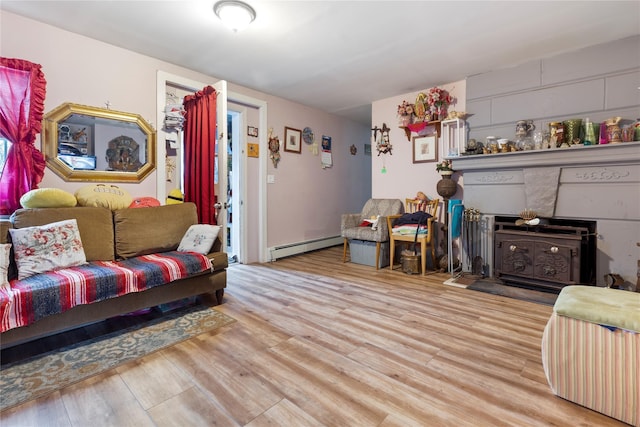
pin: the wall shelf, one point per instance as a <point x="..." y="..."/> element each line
<point x="417" y="127"/>
<point x="622" y="153"/>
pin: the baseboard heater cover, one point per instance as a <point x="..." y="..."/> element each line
<point x="282" y="251"/>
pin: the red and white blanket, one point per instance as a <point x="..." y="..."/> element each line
<point x="29" y="300"/>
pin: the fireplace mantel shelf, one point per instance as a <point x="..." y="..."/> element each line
<point x="610" y="154"/>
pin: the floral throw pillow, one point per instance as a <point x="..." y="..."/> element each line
<point x="47" y="247"/>
<point x="199" y="238"/>
<point x="5" y="248"/>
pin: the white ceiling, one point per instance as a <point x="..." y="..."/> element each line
<point x="339" y="56"/>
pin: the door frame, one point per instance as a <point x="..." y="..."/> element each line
<point x="164" y="78"/>
<point x="238" y="165"/>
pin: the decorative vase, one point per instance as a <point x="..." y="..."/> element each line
<point x="523" y="128"/>
<point x="614" y="133"/>
<point x="572" y="131"/>
<point x="556" y="130"/>
<point x="446" y="187"/>
<point x="442" y="113"/>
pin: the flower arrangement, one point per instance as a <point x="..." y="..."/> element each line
<point x="444" y="166"/>
<point x="439" y="100"/>
<point x="405" y="109"/>
<point x="405" y="113"/>
<point x="439" y="97"/>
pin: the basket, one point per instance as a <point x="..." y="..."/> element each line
<point x="410" y="262"/>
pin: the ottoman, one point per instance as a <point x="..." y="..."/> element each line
<point x="590" y="350"/>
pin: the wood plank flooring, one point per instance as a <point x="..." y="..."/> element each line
<point x="322" y="343"/>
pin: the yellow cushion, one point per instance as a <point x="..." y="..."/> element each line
<point x="47" y="198"/>
<point x="175" y="196"/>
<point x="105" y="196"/>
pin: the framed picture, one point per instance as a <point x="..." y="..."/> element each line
<point x="425" y="148"/>
<point x="252" y="131"/>
<point x="292" y="140"/>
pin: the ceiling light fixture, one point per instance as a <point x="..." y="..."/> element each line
<point x="235" y="14"/>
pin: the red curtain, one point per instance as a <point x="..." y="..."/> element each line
<point x="200" y="152"/>
<point x="22" y="93"/>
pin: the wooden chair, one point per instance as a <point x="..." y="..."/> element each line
<point x="426" y="241"/>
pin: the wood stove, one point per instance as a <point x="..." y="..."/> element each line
<point x="548" y="256"/>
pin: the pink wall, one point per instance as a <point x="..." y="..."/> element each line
<point x="305" y="202"/>
<point x="403" y="178"/>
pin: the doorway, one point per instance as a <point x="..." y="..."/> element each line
<point x="258" y="250"/>
<point x="235" y="194"/>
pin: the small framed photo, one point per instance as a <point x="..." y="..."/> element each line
<point x="252" y="131"/>
<point x="292" y="140"/>
<point x="425" y="148"/>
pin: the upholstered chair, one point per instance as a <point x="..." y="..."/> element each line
<point x="379" y="209"/>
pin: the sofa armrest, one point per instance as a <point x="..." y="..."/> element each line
<point x="219" y="260"/>
<point x="5" y="225"/>
<point x="383" y="228"/>
<point x="349" y="220"/>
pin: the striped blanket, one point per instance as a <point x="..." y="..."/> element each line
<point x="410" y="229"/>
<point x="29" y="300"/>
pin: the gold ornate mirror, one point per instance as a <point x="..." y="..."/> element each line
<point x="83" y="143"/>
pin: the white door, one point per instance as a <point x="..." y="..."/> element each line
<point x="221" y="159"/>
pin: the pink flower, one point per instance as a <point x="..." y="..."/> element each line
<point x="405" y="109"/>
<point x="438" y="97"/>
<point x="444" y="165"/>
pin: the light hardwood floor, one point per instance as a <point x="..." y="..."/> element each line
<point x="321" y="343"/>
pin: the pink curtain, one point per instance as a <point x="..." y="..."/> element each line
<point x="22" y="93"/>
<point x="200" y="152"/>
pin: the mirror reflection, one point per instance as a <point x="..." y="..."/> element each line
<point x="84" y="143"/>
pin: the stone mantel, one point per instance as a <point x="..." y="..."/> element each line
<point x="593" y="155"/>
<point x="598" y="183"/>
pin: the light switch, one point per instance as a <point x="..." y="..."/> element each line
<point x="271" y="179"/>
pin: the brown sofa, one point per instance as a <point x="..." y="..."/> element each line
<point x="121" y="234"/>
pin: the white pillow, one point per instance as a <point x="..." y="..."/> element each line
<point x="199" y="238"/>
<point x="5" y="248"/>
<point x="47" y="247"/>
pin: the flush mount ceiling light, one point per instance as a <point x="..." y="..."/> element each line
<point x="235" y="14"/>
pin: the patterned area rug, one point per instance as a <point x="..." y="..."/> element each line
<point x="41" y="375"/>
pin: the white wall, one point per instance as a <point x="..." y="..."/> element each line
<point x="305" y="202"/>
<point x="403" y="178"/>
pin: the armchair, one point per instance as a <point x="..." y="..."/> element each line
<point x="374" y="208"/>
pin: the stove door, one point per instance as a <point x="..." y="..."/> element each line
<point x="556" y="262"/>
<point x="514" y="256"/>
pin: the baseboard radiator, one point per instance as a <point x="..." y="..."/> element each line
<point x="282" y="251"/>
